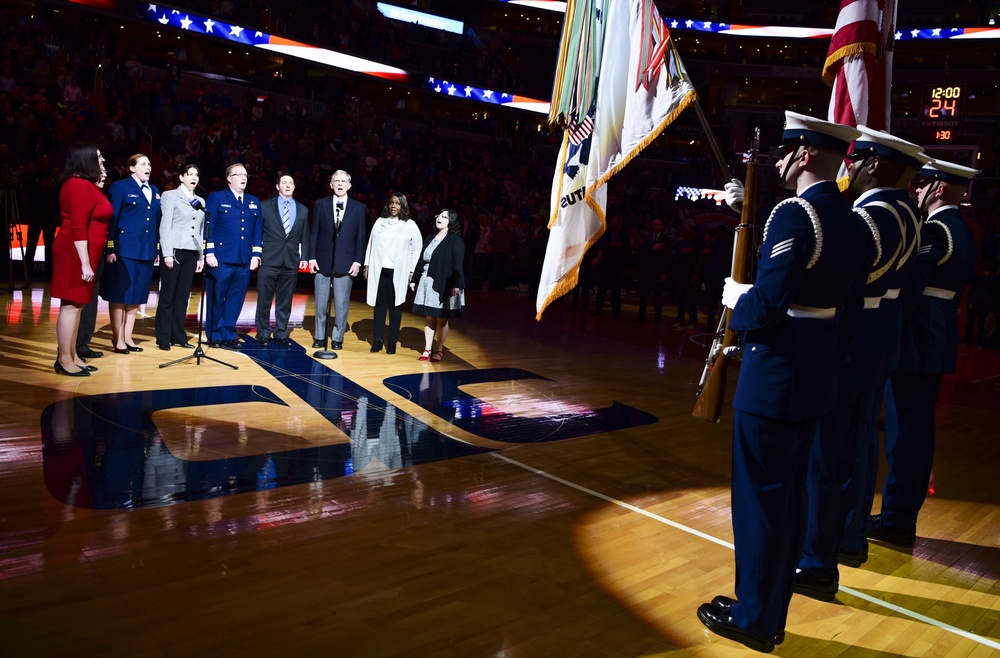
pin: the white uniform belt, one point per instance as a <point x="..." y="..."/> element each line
<point x="891" y="293"/>
<point x="940" y="293"/>
<point x="872" y="302"/>
<point x="797" y="311"/>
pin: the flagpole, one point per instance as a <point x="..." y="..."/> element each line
<point x="727" y="173"/>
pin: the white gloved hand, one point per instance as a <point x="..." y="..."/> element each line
<point x="734" y="194"/>
<point x="732" y="291"/>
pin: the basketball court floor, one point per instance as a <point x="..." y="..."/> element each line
<point x="543" y="491"/>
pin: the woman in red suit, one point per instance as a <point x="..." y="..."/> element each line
<point x="85" y="213"/>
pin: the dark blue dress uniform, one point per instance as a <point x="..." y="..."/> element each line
<point x="815" y="250"/>
<point x="843" y="458"/>
<point x="929" y="341"/>
<point x="133" y="235"/>
<point x="234" y="237"/>
<point x="877" y="347"/>
<point x="788" y="379"/>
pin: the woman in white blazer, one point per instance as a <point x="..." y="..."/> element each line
<point x="182" y="245"/>
<point x="393" y="251"/>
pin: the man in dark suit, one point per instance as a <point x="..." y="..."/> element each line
<point x="336" y="250"/>
<point x="232" y="252"/>
<point x="285" y="251"/>
<point x="815" y="252"/>
<point x="946" y="258"/>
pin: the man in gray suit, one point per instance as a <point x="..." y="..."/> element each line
<point x="337" y="247"/>
<point x="285" y="252"/>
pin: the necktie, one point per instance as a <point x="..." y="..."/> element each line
<point x="340" y="210"/>
<point x="239" y="199"/>
<point x="286" y="217"/>
<point x="148" y="193"/>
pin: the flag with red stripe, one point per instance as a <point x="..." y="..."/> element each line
<point x="859" y="63"/>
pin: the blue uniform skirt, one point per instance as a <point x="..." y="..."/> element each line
<point x="126" y="281"/>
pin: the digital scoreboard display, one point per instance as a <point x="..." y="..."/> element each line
<point x="942" y="114"/>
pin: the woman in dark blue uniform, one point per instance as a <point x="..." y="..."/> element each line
<point x="131" y="252"/>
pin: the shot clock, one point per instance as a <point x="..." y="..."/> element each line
<point x="942" y="115"/>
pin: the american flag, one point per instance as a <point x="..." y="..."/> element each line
<point x="859" y="63"/>
<point x="580" y="131"/>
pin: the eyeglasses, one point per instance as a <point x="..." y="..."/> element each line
<point x="238" y="175"/>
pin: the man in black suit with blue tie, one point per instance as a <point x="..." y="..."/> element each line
<point x="336" y="250"/>
<point x="815" y="252"/>
<point x="285" y="252"/>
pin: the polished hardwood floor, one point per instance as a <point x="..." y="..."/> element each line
<point x="542" y="492"/>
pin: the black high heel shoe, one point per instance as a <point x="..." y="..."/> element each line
<point x="88" y="368"/>
<point x="118" y="351"/>
<point x="132" y="348"/>
<point x="376" y="345"/>
<point x="62" y="371"/>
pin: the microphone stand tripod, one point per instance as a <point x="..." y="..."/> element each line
<point x="199" y="353"/>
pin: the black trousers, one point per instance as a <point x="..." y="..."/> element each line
<point x="175" y="290"/>
<point x="385" y="301"/>
<point x="88" y="316"/>
<point x="277" y="283"/>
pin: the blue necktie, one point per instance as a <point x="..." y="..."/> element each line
<point x="286" y="217"/>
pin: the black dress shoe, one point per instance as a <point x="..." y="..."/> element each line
<point x="263" y="341"/>
<point x="376" y="345"/>
<point x="849" y="559"/>
<point x="184" y="345"/>
<point x="62" y="371"/>
<point x="232" y="344"/>
<point x="337" y="345"/>
<point x="319" y="344"/>
<point x="721" y="623"/>
<point x="118" y="351"/>
<point x="888" y="535"/>
<point x="89" y="368"/>
<point x="90" y="354"/>
<point x="390" y="348"/>
<point x="284" y="342"/>
<point x="133" y="348"/>
<point x="725" y="604"/>
<point x="821" y="588"/>
<point x="215" y="343"/>
<point x="163" y="346"/>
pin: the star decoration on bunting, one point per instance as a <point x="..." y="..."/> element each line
<point x="186" y="23"/>
<point x="209" y="24"/>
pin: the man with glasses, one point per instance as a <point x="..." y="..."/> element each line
<point x="336" y="247"/>
<point x="233" y="250"/>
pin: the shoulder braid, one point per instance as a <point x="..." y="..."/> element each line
<point x="875" y="234"/>
<point x="813" y="217"/>
<point x="947" y="233"/>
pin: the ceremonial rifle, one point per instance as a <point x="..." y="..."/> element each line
<point x="727" y="345"/>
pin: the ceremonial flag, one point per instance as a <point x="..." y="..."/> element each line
<point x="858" y="65"/>
<point x="617" y="87"/>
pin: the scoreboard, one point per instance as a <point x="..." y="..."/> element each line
<point x="942" y="113"/>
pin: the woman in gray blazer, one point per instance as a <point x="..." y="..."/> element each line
<point x="181" y="245"/>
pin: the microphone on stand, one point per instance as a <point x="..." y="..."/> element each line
<point x="197" y="204"/>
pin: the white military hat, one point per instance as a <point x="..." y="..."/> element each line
<point x="880" y="143"/>
<point x="948" y="172"/>
<point x="802" y="129"/>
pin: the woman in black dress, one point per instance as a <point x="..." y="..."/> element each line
<point x="439" y="282"/>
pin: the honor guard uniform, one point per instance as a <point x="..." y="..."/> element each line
<point x="945" y="261"/>
<point x="234" y="239"/>
<point x="815" y="250"/>
<point x="844" y="454"/>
